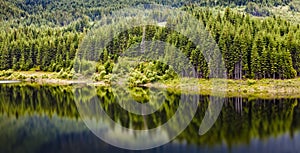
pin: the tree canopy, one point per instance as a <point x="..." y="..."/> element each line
<point x="45" y="35"/>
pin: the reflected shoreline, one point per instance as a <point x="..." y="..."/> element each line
<point x="243" y="122"/>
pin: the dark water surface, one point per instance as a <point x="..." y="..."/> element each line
<point x="40" y="118"/>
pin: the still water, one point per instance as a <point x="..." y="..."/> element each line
<point x="45" y="118"/>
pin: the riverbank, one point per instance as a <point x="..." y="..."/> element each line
<point x="265" y="88"/>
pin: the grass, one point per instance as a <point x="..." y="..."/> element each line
<point x="264" y="88"/>
<point x="24" y="75"/>
<point x="37" y="76"/>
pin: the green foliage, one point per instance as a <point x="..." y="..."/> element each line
<point x="47" y="49"/>
<point x="99" y="76"/>
<point x="66" y="74"/>
<point x="45" y="76"/>
<point x="251" y="47"/>
<point x="149" y="72"/>
<point x="21" y="77"/>
<point x="251" y="82"/>
<point x="6" y="73"/>
<point x="76" y="12"/>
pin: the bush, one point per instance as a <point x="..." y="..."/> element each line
<point x="21" y="77"/>
<point x="7" y="73"/>
<point x="99" y="76"/>
<point x="33" y="78"/>
<point x="44" y="76"/>
<point x="109" y="66"/>
<point x="251" y="82"/>
<point x="137" y="78"/>
<point x="100" y="68"/>
<point x="65" y="75"/>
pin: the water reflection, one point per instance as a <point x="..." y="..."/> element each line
<point x="36" y="118"/>
<point x="177" y="114"/>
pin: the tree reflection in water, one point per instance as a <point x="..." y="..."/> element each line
<point x="32" y="116"/>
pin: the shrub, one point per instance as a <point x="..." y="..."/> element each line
<point x="44" y="76"/>
<point x="33" y="78"/>
<point x="99" y="76"/>
<point x="8" y="73"/>
<point x="251" y="82"/>
<point x="137" y="78"/>
<point x="21" y="77"/>
<point x="63" y="75"/>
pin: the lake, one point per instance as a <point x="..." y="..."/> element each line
<point x="45" y="118"/>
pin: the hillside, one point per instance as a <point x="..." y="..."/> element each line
<point x="45" y="35"/>
<point x="61" y="13"/>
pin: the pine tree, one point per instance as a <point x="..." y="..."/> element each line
<point x="255" y="63"/>
<point x="264" y="63"/>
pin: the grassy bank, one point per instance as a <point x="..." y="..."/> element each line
<point x="60" y="78"/>
<point x="264" y="88"/>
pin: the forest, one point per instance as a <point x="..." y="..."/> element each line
<point x="44" y="35"/>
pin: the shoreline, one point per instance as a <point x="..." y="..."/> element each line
<point x="264" y="88"/>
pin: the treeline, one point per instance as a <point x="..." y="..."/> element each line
<point x="251" y="47"/>
<point x="46" y="49"/>
<point x="254" y="48"/>
<point x="61" y="13"/>
<point x="244" y="2"/>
